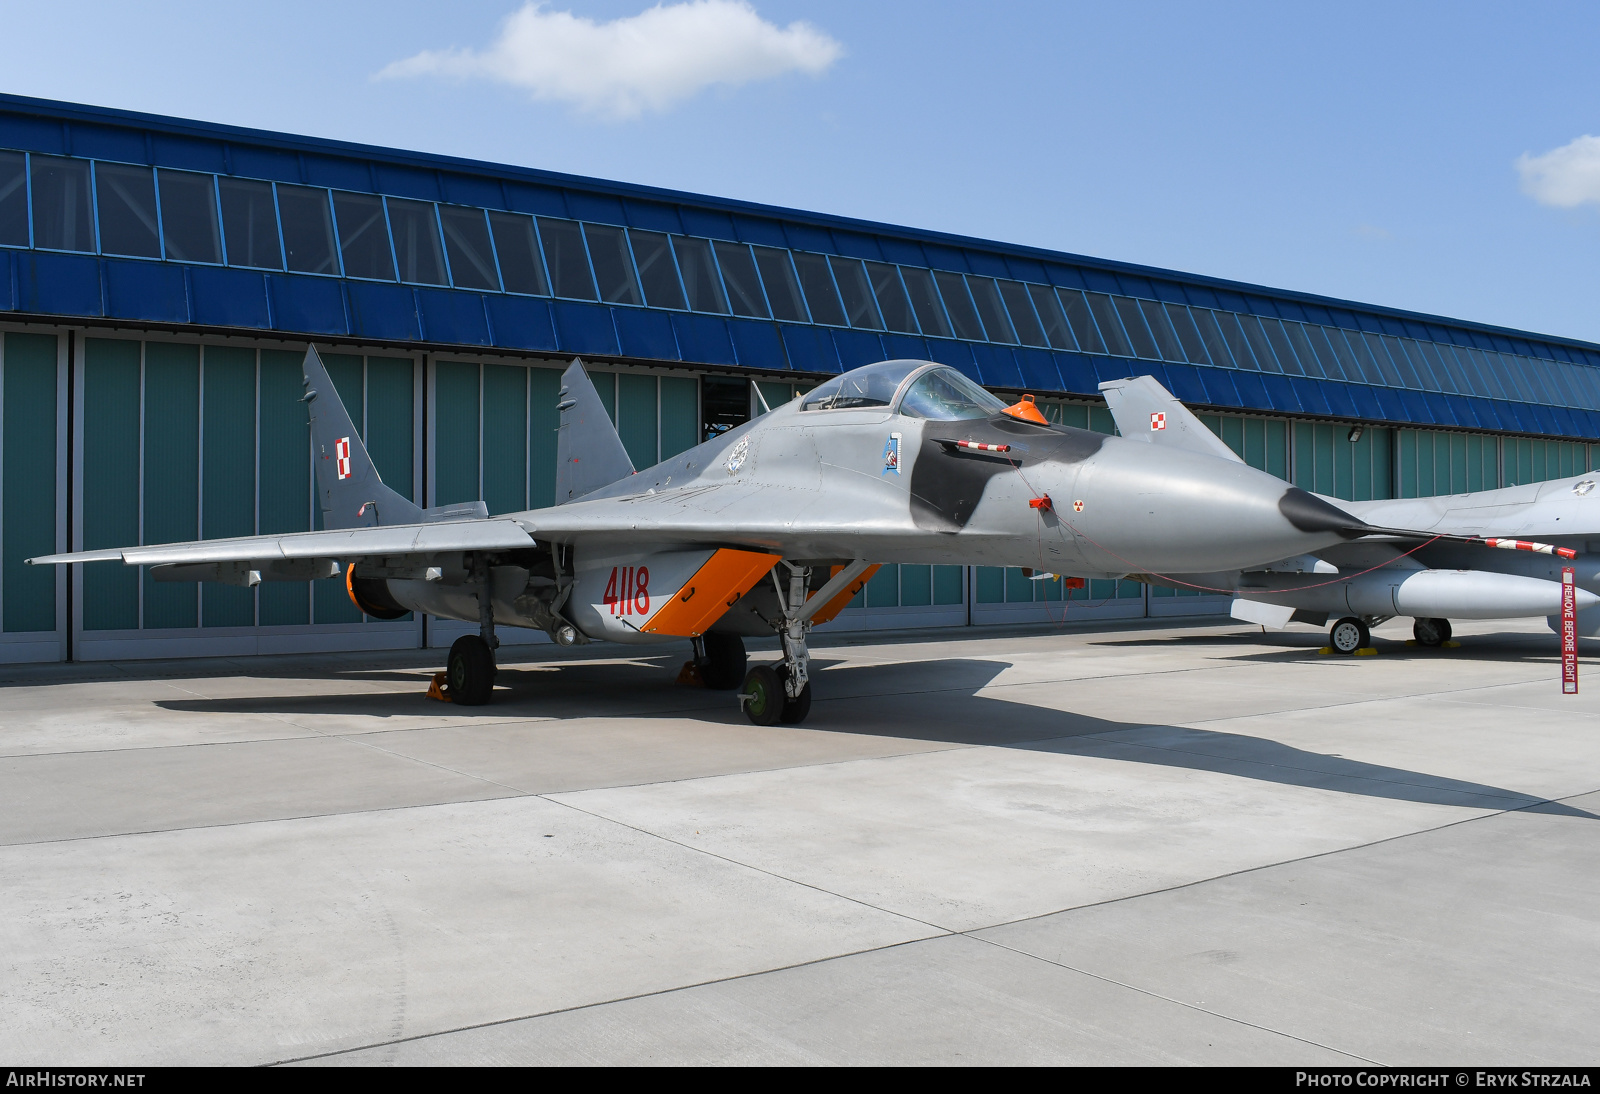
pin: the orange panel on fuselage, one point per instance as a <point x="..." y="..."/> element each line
<point x="836" y="605"/>
<point x="714" y="588"/>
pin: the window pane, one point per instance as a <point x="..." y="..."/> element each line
<point x="1446" y="365"/>
<point x="958" y="305"/>
<point x="1205" y="321"/>
<point x="1513" y="379"/>
<point x="1280" y="345"/>
<point x="1056" y="330"/>
<point x="363" y="236"/>
<point x="250" y="224"/>
<point x="1026" y="324"/>
<point x="995" y="323"/>
<point x="61" y="219"/>
<point x="1475" y="364"/>
<point x="1233" y="335"/>
<point x="1105" y="317"/>
<point x="307" y="229"/>
<point x="1304" y="349"/>
<point x="856" y="293"/>
<point x="1402" y="364"/>
<point x="783" y="290"/>
<point x="613" y="266"/>
<point x="189" y="217"/>
<point x="1405" y="347"/>
<point x="1166" y="339"/>
<point x="1188" y="334"/>
<point x="1138" y="334"/>
<point x="1083" y="325"/>
<point x="891" y="296"/>
<point x="566" y="259"/>
<point x="466" y="242"/>
<point x="127" y="200"/>
<point x="1354" y="368"/>
<point x="820" y="293"/>
<point x="739" y="277"/>
<point x="652" y="254"/>
<point x="521" y="268"/>
<point x="13" y="200"/>
<point x="700" y="275"/>
<point x="416" y="241"/>
<point x="1376" y="357"/>
<point x="925" y="301"/>
<point x="1258" y="342"/>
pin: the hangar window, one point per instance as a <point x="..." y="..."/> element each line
<point x="466" y="244"/>
<point x="1353" y="371"/>
<point x="307" y="230"/>
<point x="1376" y="358"/>
<point x="126" y="196"/>
<point x="1188" y="334"/>
<point x="1161" y="329"/>
<point x="1105" y="317"/>
<point x="1476" y="364"/>
<point x="363" y="236"/>
<point x="416" y="241"/>
<point x="700" y="278"/>
<point x="1029" y="332"/>
<point x="652" y="254"/>
<point x="856" y="293"/>
<point x="1280" y="345"/>
<point x="925" y="301"/>
<point x="1238" y="346"/>
<point x="13" y="200"/>
<point x="739" y="275"/>
<point x="820" y="293"/>
<point x="250" y="224"/>
<point x="1258" y="342"/>
<point x="1056" y="328"/>
<point x="1211" y="334"/>
<point x="521" y="268"/>
<point x="566" y="259"/>
<point x="1138" y="334"/>
<point x="1414" y="370"/>
<point x="1304" y="349"/>
<point x="958" y="305"/>
<point x="891" y="295"/>
<point x="189" y="217"/>
<point x="1083" y="325"/>
<point x="990" y="310"/>
<point x="783" y="289"/>
<point x="613" y="265"/>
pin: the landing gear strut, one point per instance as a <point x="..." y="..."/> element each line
<point x="471" y="669"/>
<point x="771" y="695"/>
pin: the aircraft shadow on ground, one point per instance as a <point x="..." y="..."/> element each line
<point x="866" y="700"/>
<point x="1514" y="648"/>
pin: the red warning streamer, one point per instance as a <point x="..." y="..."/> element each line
<point x="1569" y="632"/>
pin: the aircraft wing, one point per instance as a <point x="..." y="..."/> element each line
<point x="344" y="543"/>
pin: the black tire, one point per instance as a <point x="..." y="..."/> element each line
<point x="1428" y="632"/>
<point x="1445" y="633"/>
<point x="724" y="667"/>
<point x="794" y="710"/>
<point x="1348" y="635"/>
<point x="471" y="671"/>
<point x="763" y="696"/>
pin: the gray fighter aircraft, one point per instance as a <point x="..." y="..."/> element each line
<point x="1437" y="571"/>
<point x="767" y="529"/>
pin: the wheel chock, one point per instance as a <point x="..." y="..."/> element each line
<point x="439" y="687"/>
<point x="1369" y="651"/>
<point x="1450" y="645"/>
<point x="690" y="676"/>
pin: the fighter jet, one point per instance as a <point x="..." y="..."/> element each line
<point x="765" y="530"/>
<point x="1438" y="570"/>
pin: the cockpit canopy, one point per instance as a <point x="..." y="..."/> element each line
<point x="919" y="389"/>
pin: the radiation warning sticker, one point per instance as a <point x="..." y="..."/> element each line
<point x="1158" y="420"/>
<point x="341" y="457"/>
<point x="891" y="454"/>
<point x="1077" y="507"/>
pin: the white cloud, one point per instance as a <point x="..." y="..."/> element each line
<point x="627" y="67"/>
<point x="1565" y="177"/>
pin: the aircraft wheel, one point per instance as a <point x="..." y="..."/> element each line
<point x="1431" y="632"/>
<point x="1349" y="635"/>
<point x="725" y="661"/>
<point x="796" y="709"/>
<point x="471" y="671"/>
<point x="763" y="696"/>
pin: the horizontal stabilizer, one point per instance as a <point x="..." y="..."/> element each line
<point x="589" y="453"/>
<point x="1146" y="411"/>
<point x="1254" y="611"/>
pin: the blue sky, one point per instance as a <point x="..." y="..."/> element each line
<point x="1364" y="151"/>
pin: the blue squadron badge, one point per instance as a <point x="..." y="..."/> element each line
<point x="891" y="454"/>
<point x="736" y="457"/>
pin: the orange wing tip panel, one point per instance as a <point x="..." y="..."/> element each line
<point x="836" y="605"/>
<point x="1025" y="409"/>
<point x="714" y="588"/>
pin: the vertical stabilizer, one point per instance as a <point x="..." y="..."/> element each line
<point x="589" y="453"/>
<point x="1146" y="411"/>
<point x="349" y="491"/>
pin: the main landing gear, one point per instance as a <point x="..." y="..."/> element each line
<point x="720" y="660"/>
<point x="471" y="670"/>
<point x="1431" y="632"/>
<point x="1349" y="635"/>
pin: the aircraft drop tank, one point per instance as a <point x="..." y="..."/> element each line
<point x="1441" y="594"/>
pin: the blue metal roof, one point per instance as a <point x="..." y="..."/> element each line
<point x="1375" y="362"/>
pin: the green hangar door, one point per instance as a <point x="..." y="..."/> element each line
<point x="33" y="507"/>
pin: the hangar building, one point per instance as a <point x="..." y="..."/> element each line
<point x="160" y="279"/>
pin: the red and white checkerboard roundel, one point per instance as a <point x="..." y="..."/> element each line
<point x="341" y="457"/>
<point x="1158" y="420"/>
